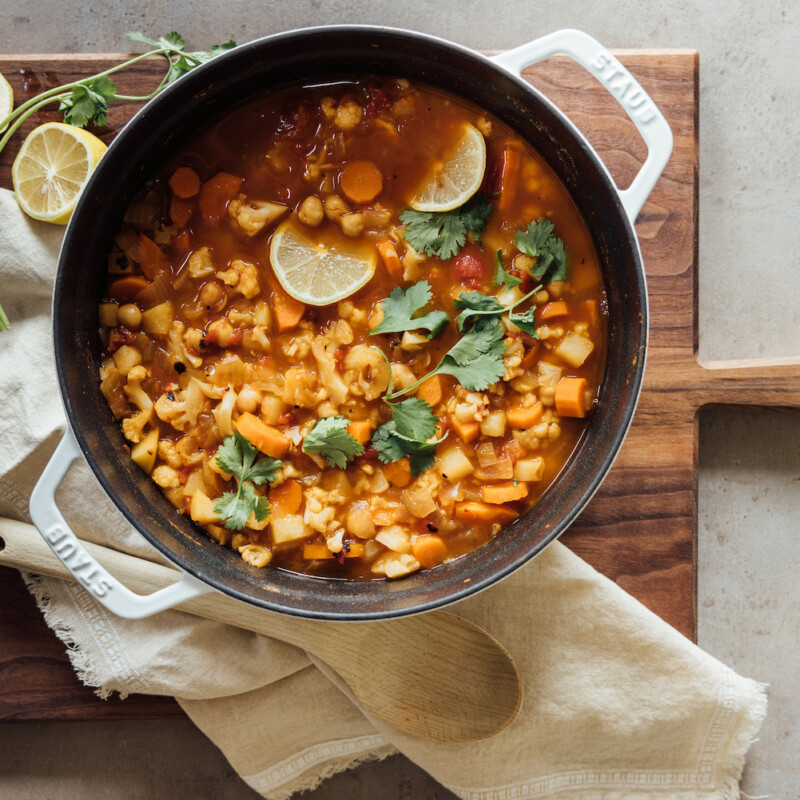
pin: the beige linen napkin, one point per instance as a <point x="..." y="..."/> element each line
<point x="618" y="705"/>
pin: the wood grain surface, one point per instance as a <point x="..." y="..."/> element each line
<point x="640" y="529"/>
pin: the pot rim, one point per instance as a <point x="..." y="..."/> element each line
<point x="195" y="81"/>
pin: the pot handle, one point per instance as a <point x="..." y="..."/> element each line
<point x="75" y="557"/>
<point x="649" y="121"/>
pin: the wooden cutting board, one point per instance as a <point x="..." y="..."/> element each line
<point x="640" y="529"/>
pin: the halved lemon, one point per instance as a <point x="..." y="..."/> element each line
<point x="457" y="178"/>
<point x="53" y="166"/>
<point x="319" y="272"/>
<point x="6" y="101"/>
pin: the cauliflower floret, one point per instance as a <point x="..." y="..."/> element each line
<point x="243" y="276"/>
<point x="318" y="513"/>
<point x="335" y="540"/>
<point x="177" y="340"/>
<point x="181" y="409"/>
<point x="301" y="388"/>
<point x="134" y="391"/>
<point x="200" y="265"/>
<point x="133" y="427"/>
<point x="256" y="554"/>
<point x="166" y="477"/>
<point x="431" y="481"/>
<point x="288" y="470"/>
<point x="348" y="311"/>
<point x="512" y="358"/>
<point x="223" y="412"/>
<point x="323" y="347"/>
<point x="348" y="115"/>
<point x="298" y="346"/>
<point x="252" y="216"/>
<point x="469" y="406"/>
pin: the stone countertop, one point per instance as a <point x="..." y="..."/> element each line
<point x="749" y="493"/>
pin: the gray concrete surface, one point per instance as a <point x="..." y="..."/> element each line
<point x="750" y="287"/>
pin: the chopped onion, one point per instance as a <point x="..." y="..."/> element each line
<point x="419" y="501"/>
<point x="141" y="215"/>
<point x="128" y="242"/>
<point x="154" y="293"/>
<point x="146" y="346"/>
<point x="503" y="470"/>
<point x="112" y="389"/>
<point x="486" y="454"/>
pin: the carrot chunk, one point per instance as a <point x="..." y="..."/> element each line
<point x="398" y="473"/>
<point x="315" y="552"/>
<point x="361" y="431"/>
<point x="215" y="194"/>
<point x="524" y="417"/>
<point x="475" y="511"/>
<point x="553" y="310"/>
<point x="529" y="359"/>
<point x="153" y="258"/>
<point x="124" y="289"/>
<point x="288" y="311"/>
<point x="571" y="397"/>
<point x="429" y="550"/>
<point x="466" y="431"/>
<point x="513" y="450"/>
<point x="361" y="181"/>
<point x="431" y="390"/>
<point x="267" y="439"/>
<point x="288" y="497"/>
<point x="388" y="254"/>
<point x="500" y="493"/>
<point x="185" y="183"/>
<point x="180" y="211"/>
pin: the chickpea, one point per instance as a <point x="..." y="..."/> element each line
<point x="335" y="207"/>
<point x="248" y="400"/>
<point x="310" y="211"/>
<point x="219" y="332"/>
<point x="352" y="224"/>
<point x="541" y="297"/>
<point x="130" y="316"/>
<point x="211" y="294"/>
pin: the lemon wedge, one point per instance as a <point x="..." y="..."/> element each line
<point x="317" y="272"/>
<point x="52" y="168"/>
<point x="457" y="178"/>
<point x="6" y="101"/>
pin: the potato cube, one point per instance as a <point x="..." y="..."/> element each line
<point x="288" y="527"/>
<point x="201" y="509"/>
<point x="395" y="538"/>
<point x="454" y="465"/>
<point x="549" y="374"/>
<point x="158" y="319"/>
<point x="529" y="469"/>
<point x="108" y="315"/>
<point x="494" y="424"/>
<point x="359" y="521"/>
<point x="144" y="453"/>
<point x="126" y="358"/>
<point x="574" y="349"/>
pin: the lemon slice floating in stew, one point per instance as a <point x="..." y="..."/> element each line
<point x="6" y="101"/>
<point x="319" y="272"/>
<point x="52" y="168"/>
<point x="457" y="178"/>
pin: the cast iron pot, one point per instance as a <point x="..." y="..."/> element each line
<point x="163" y="125"/>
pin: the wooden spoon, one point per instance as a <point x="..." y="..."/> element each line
<point x="434" y="675"/>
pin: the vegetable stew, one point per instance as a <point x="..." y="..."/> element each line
<point x="353" y="329"/>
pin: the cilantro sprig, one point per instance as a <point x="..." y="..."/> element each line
<point x="539" y="243"/>
<point x="330" y="438"/>
<point x="237" y="456"/>
<point x="444" y="233"/>
<point x="409" y="433"/>
<point x="400" y="307"/>
<point x="87" y="100"/>
<point x="476" y="306"/>
<point x="503" y="278"/>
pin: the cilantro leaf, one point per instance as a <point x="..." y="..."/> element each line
<point x="444" y="233"/>
<point x="237" y="456"/>
<point x="539" y="243"/>
<point x="414" y="418"/>
<point x="476" y="304"/>
<point x="399" y="309"/>
<point x="503" y="278"/>
<point x="525" y="321"/>
<point x="88" y="102"/>
<point x="392" y="445"/>
<point x="476" y="360"/>
<point x="330" y="438"/>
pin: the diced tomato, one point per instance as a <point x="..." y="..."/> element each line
<point x="491" y="177"/>
<point x="469" y="267"/>
<point x="236" y="337"/>
<point x="294" y="125"/>
<point x="215" y="194"/>
<point x="287" y="418"/>
<point x="338" y="358"/>
<point x="183" y="473"/>
<point x="377" y="101"/>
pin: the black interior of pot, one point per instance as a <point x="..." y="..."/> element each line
<point x="174" y="116"/>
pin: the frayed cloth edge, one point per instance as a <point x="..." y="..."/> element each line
<point x="57" y="622"/>
<point x="315" y="774"/>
